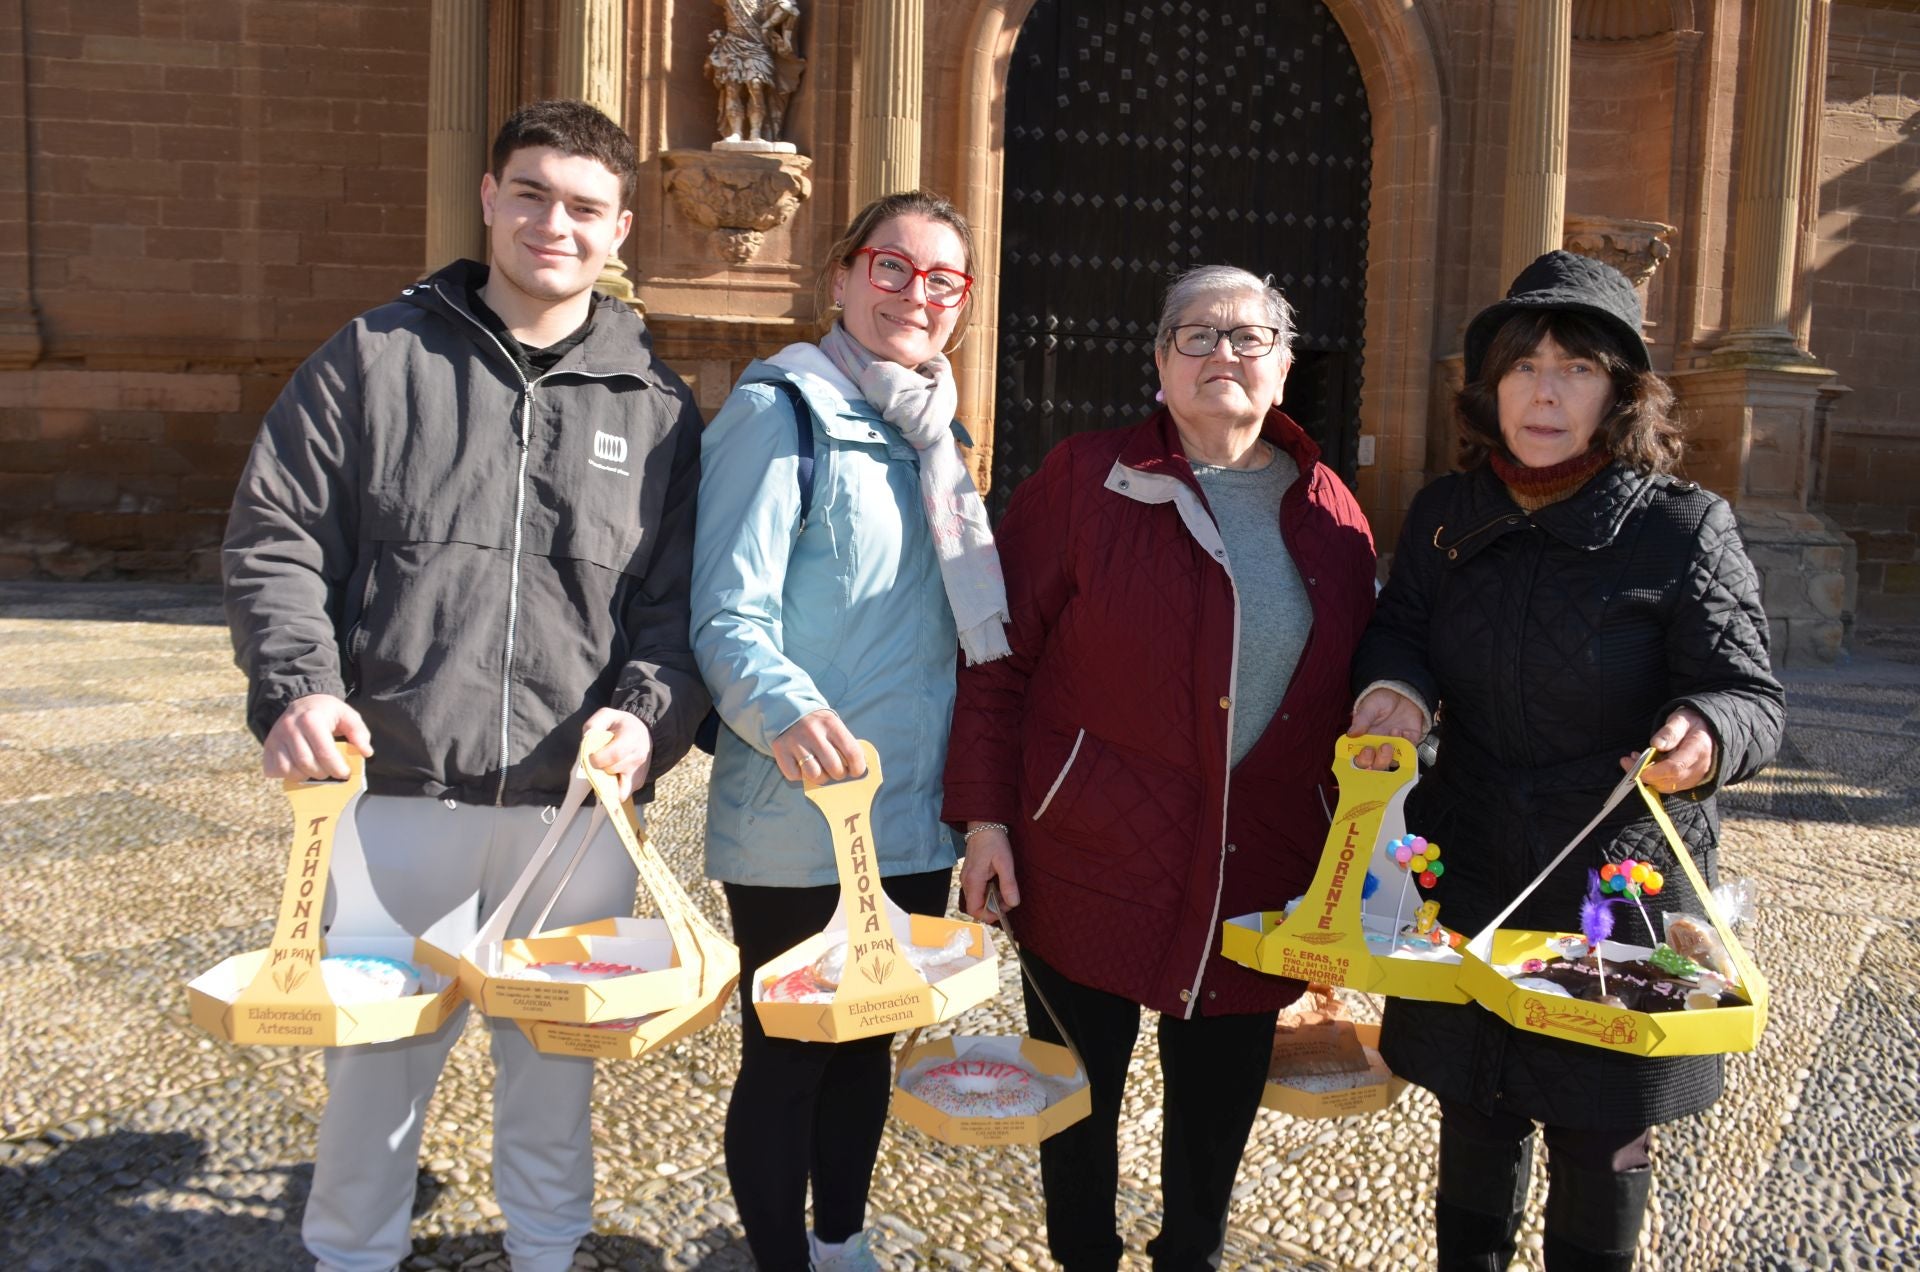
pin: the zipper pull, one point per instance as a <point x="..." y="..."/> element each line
<point x="526" y="416"/>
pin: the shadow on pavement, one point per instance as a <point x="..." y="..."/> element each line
<point x="131" y="1201"/>
<point x="191" y="604"/>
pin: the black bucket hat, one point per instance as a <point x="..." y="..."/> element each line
<point x="1575" y="283"/>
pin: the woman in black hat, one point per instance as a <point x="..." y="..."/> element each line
<point x="1558" y="606"/>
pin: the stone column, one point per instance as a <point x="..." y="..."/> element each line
<point x="1537" y="134"/>
<point x="506" y="25"/>
<point x="1752" y="410"/>
<point x="1767" y="214"/>
<point x="456" y="131"/>
<point x="593" y="67"/>
<point x="892" y="33"/>
<point x="1811" y="141"/>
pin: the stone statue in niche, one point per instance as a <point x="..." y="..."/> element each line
<point x="755" y="65"/>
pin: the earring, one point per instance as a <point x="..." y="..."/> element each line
<point x="1160" y="395"/>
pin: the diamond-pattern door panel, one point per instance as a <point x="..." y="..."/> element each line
<point x="1141" y="142"/>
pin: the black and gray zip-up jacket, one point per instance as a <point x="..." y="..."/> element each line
<point x="474" y="562"/>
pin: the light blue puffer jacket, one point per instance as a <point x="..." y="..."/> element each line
<point x="847" y="612"/>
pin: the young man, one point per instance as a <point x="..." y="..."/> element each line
<point x="463" y="538"/>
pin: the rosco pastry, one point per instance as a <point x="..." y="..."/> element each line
<point x="982" y="1088"/>
<point x="367" y="978"/>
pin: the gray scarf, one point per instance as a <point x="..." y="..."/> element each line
<point x="920" y="402"/>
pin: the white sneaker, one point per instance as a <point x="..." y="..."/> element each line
<point x="851" y="1255"/>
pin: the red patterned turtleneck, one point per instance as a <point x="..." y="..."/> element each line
<point x="1535" y="488"/>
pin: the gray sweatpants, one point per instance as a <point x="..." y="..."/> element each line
<point x="436" y="871"/>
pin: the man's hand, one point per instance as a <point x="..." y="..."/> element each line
<point x="1388" y="711"/>
<point x="818" y="748"/>
<point x="629" y="754"/>
<point x="1686" y="746"/>
<point x="300" y="744"/>
<point x="989" y="860"/>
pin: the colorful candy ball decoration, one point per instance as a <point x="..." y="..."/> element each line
<point x="1420" y="858"/>
<point x="1630" y="877"/>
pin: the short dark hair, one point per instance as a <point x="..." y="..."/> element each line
<point x="1639" y="430"/>
<point x="868" y="220"/>
<point x="572" y="128"/>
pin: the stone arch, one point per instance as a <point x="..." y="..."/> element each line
<point x="969" y="48"/>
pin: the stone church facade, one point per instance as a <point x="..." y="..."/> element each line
<point x="195" y="193"/>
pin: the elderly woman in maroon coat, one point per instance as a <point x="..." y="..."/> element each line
<point x="1154" y="756"/>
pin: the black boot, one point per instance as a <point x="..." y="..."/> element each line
<point x="1483" y="1190"/>
<point x="1594" y="1217"/>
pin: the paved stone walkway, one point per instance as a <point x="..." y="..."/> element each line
<point x="138" y="846"/>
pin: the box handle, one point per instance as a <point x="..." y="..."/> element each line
<point x="874" y="953"/>
<point x="1751" y="982"/>
<point x="288" y="973"/>
<point x="687" y="928"/>
<point x="685" y="924"/>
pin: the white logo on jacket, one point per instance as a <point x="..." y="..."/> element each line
<point x="611" y="449"/>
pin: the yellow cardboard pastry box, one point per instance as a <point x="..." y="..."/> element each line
<point x="1493" y="954"/>
<point x="709" y="960"/>
<point x="688" y="968"/>
<point x="879" y="991"/>
<point x="491" y="972"/>
<point x="1293" y="1097"/>
<point x="1055" y="1066"/>
<point x="278" y="996"/>
<point x="1336" y="937"/>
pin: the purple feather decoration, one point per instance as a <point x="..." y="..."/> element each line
<point x="1596" y="913"/>
<point x="1596" y="923"/>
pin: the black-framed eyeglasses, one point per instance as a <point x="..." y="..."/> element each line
<point x="1196" y="340"/>
<point x="893" y="271"/>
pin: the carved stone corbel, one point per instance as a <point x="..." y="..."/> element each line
<point x="1635" y="248"/>
<point x="738" y="195"/>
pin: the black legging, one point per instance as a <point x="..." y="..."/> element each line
<point x="805" y="1110"/>
<point x="1214" y="1071"/>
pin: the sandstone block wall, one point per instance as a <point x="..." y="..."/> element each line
<point x="213" y="187"/>
<point x="1866" y="298"/>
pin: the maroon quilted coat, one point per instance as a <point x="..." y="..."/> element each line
<point x="1102" y="741"/>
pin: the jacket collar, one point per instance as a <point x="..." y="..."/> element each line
<point x="824" y="384"/>
<point x="1153" y="469"/>
<point x="618" y="343"/>
<point x="1590" y="518"/>
<point x="1154" y="449"/>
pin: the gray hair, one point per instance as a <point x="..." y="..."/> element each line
<point x="1213" y="282"/>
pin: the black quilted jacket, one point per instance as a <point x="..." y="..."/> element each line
<point x="1554" y="643"/>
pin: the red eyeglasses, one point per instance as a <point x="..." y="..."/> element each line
<point x="892" y="271"/>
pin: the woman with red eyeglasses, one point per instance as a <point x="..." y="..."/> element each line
<point x="841" y="555"/>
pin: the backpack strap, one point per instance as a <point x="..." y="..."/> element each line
<point x="803" y="423"/>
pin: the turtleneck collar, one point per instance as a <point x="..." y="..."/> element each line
<point x="1535" y="488"/>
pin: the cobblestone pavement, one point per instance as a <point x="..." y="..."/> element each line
<point x="138" y="846"/>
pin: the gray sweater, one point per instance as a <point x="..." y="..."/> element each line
<point x="1275" y="613"/>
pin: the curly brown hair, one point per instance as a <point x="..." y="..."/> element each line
<point x="1639" y="430"/>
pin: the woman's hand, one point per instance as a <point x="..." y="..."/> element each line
<point x="1388" y="711"/>
<point x="818" y="748"/>
<point x="1685" y="744"/>
<point x="989" y="860"/>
